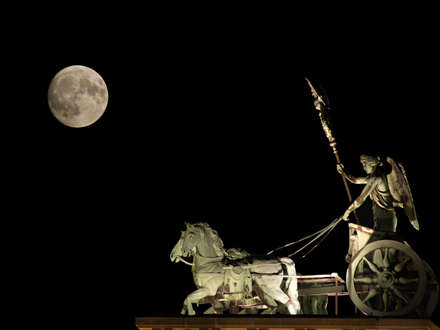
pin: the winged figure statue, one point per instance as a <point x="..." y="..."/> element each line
<point x="386" y="190"/>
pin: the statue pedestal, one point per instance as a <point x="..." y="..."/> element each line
<point x="278" y="322"/>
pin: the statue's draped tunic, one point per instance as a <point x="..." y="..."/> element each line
<point x="376" y="187"/>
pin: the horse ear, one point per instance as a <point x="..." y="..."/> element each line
<point x="187" y="225"/>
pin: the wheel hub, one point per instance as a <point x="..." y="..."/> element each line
<point x="385" y="279"/>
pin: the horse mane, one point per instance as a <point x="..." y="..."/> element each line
<point x="211" y="233"/>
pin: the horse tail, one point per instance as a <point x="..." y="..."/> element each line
<point x="291" y="284"/>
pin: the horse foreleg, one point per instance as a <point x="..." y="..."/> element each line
<point x="192" y="298"/>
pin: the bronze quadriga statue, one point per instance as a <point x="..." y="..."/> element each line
<point x="385" y="277"/>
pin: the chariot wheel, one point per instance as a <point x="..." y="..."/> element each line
<point x="386" y="278"/>
<point x="430" y="300"/>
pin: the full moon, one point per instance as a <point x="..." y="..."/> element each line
<point x="77" y="96"/>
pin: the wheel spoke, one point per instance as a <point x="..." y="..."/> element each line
<point x="378" y="258"/>
<point x="365" y="280"/>
<point x="399" y="294"/>
<point x="372" y="293"/>
<point x="404" y="280"/>
<point x="386" y="261"/>
<point x="371" y="265"/>
<point x="399" y="267"/>
<point x="391" y="256"/>
<point x="385" y="300"/>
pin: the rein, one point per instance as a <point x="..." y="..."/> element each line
<point x="322" y="232"/>
<point x="184" y="261"/>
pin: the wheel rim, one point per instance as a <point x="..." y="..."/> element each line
<point x="430" y="300"/>
<point x="386" y="278"/>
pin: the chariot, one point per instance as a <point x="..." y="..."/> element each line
<point x="386" y="277"/>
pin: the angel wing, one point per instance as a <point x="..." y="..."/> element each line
<point x="401" y="192"/>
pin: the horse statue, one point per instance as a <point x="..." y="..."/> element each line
<point x="233" y="276"/>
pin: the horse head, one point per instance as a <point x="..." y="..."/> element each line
<point x="198" y="240"/>
<point x="191" y="237"/>
<point x="187" y="243"/>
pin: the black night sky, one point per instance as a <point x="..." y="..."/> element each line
<point x="209" y="119"/>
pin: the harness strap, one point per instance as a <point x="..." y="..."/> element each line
<point x="285" y="277"/>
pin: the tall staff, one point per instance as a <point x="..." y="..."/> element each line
<point x="320" y="106"/>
